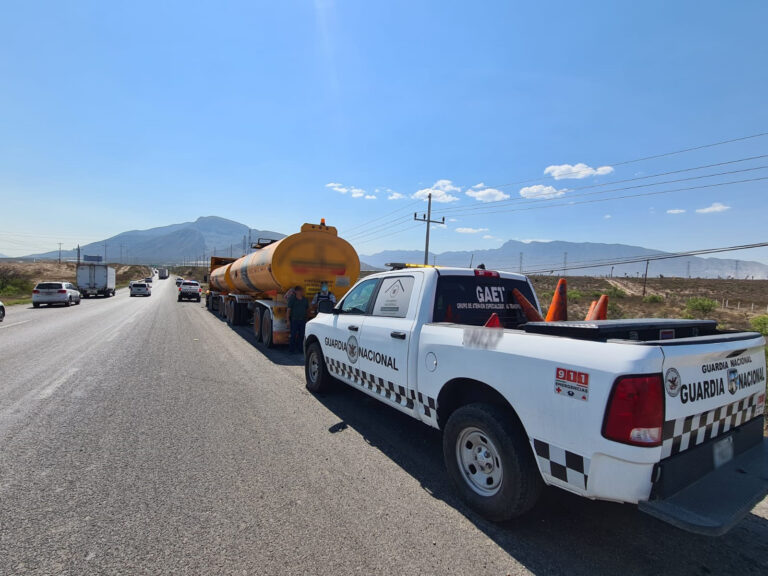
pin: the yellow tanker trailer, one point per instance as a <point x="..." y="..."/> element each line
<point x="252" y="288"/>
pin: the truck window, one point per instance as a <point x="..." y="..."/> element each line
<point x="358" y="300"/>
<point x="394" y="297"/>
<point x="472" y="299"/>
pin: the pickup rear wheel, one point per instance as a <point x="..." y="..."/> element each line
<point x="489" y="460"/>
<point x="315" y="372"/>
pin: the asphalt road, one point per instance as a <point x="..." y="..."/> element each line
<point x="145" y="436"/>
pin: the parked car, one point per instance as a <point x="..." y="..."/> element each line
<point x="190" y="290"/>
<point x="179" y="280"/>
<point x="49" y="293"/>
<point x="2" y="312"/>
<point x="141" y="289"/>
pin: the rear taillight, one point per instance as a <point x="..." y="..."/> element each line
<point x="35" y="291"/>
<point x="486" y="273"/>
<point x="635" y="412"/>
<point x="61" y="291"/>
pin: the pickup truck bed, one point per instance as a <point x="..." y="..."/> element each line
<point x="635" y="411"/>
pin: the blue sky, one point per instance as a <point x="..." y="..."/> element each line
<point x="117" y="116"/>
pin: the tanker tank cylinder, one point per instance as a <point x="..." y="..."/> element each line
<point x="314" y="255"/>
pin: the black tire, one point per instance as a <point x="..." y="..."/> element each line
<point x="78" y="301"/>
<point x="68" y="303"/>
<point x="178" y="299"/>
<point x="2" y="314"/>
<point x="512" y="485"/>
<point x="35" y="305"/>
<point x="266" y="328"/>
<point x="198" y="298"/>
<point x="257" y="323"/>
<point x="318" y="380"/>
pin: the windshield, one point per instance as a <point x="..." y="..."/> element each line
<point x="48" y="286"/>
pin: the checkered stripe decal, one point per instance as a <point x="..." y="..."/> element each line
<point x="384" y="388"/>
<point x="562" y="464"/>
<point x="682" y="433"/>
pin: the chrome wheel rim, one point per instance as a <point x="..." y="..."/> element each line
<point x="314" y="367"/>
<point x="479" y="461"/>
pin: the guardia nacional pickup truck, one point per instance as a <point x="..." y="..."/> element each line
<point x="665" y="414"/>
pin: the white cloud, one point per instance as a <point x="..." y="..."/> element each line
<point x="370" y="197"/>
<point x="394" y="195"/>
<point x="341" y="189"/>
<point x="607" y="217"/>
<point x="479" y="192"/>
<point x="441" y="192"/>
<point x="575" y="171"/>
<point x="676" y="211"/>
<point x="471" y="230"/>
<point x="541" y="191"/>
<point x="714" y="207"/>
<point x="489" y="237"/>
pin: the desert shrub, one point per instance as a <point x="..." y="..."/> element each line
<point x="575" y="295"/>
<point x="760" y="324"/>
<point x="615" y="311"/>
<point x="11" y="285"/>
<point x="700" y="306"/>
<point x="614" y="292"/>
<point x="653" y="299"/>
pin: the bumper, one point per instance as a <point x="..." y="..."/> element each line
<point x="57" y="299"/>
<point x="720" y="497"/>
<point x="190" y="295"/>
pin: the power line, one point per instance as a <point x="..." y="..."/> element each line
<point x="361" y="225"/>
<point x="636" y="259"/>
<point x="486" y="205"/>
<point x="643" y="159"/>
<point x="539" y="206"/>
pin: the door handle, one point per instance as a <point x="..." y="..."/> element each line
<point x="398" y="335"/>
<point x="353" y="328"/>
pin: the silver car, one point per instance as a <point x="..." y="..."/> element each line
<point x="49" y="293"/>
<point x="141" y="289"/>
<point x="2" y="312"/>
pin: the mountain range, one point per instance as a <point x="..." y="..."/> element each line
<point x="209" y="235"/>
<point x="552" y="257"/>
<point x="206" y="236"/>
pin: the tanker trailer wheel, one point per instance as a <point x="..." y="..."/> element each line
<point x="257" y="323"/>
<point x="317" y="377"/>
<point x="490" y="462"/>
<point x="230" y="313"/>
<point x="222" y="308"/>
<point x="266" y="329"/>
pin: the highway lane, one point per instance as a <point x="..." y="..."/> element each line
<point x="145" y="436"/>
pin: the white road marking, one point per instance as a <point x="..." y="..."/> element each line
<point x="51" y="388"/>
<point x="15" y="324"/>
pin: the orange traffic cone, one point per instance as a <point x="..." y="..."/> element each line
<point x="600" y="311"/>
<point x="493" y="321"/>
<point x="558" y="310"/>
<point x="591" y="307"/>
<point x="531" y="314"/>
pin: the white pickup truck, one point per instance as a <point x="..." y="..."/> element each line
<point x="665" y="414"/>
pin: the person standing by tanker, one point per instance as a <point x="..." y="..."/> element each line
<point x="324" y="300"/>
<point x="297" y="319"/>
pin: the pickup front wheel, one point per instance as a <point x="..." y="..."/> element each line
<point x="318" y="379"/>
<point x="489" y="460"/>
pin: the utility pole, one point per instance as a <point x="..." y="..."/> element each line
<point x="78" y="254"/>
<point x="59" y="243"/>
<point x="105" y="252"/>
<point x="645" y="278"/>
<point x="428" y="219"/>
<point x="230" y="250"/>
<point x="565" y="262"/>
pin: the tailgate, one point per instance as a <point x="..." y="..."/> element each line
<point x="711" y="388"/>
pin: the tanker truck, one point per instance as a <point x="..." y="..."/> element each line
<point x="251" y="289"/>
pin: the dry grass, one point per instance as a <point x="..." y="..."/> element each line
<point x="17" y="279"/>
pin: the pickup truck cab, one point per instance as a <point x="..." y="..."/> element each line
<point x="665" y="414"/>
